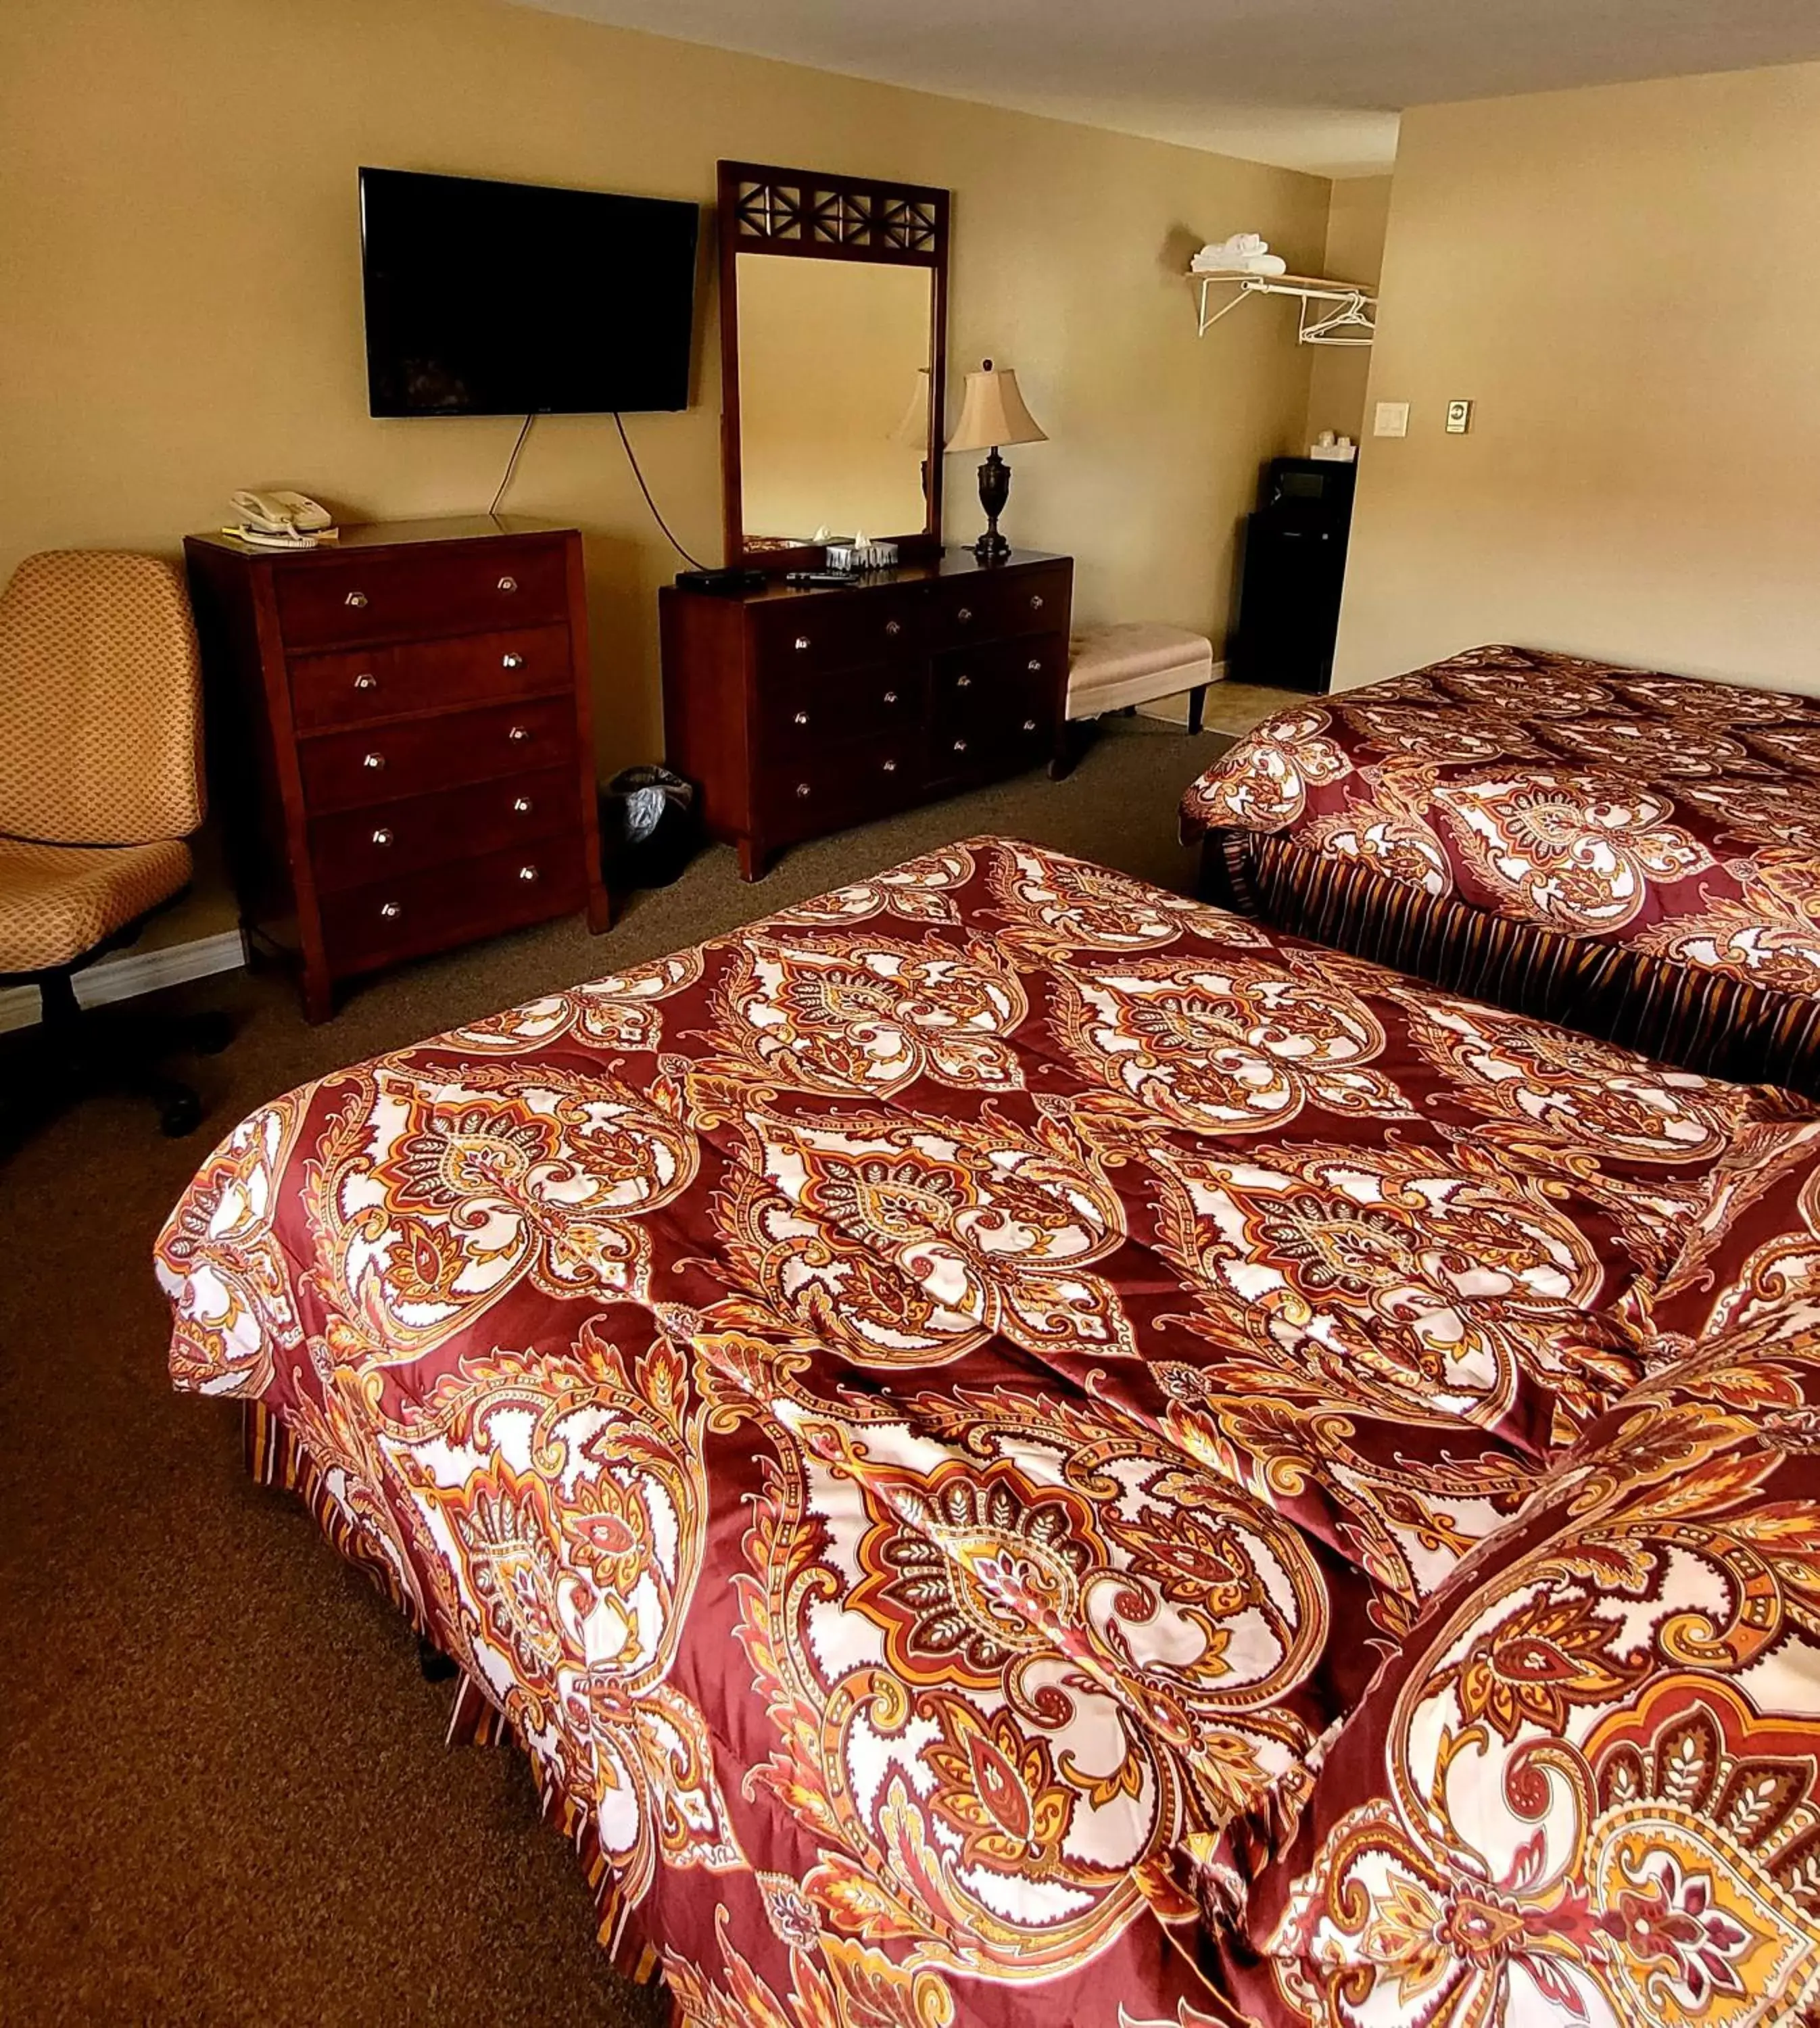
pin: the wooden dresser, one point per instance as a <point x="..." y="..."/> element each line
<point x="400" y="741"/>
<point x="802" y="710"/>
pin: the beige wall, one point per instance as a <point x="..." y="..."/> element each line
<point x="1623" y="279"/>
<point x="180" y="312"/>
<point x="1356" y="220"/>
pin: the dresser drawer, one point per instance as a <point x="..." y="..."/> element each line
<point x="326" y="601"/>
<point x="397" y="838"/>
<point x="356" y="686"/>
<point x="418" y="913"/>
<point x="986" y="607"/>
<point x="1005" y="746"/>
<point x="836" y="631"/>
<point x="845" y="785"/>
<point x="356" y="770"/>
<point x="804" y="715"/>
<point x="976" y="688"/>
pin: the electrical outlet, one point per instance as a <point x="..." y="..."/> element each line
<point x="1458" y="418"/>
<point x="1392" y="420"/>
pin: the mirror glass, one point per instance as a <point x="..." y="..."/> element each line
<point x="835" y="366"/>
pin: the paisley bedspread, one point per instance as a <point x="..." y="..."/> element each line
<point x="924" y="1411"/>
<point x="1678" y="818"/>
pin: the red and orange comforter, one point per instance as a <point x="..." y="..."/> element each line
<point x="923" y="1411"/>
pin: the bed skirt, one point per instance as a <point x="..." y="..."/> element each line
<point x="1704" y="1021"/>
<point x="276" y="1457"/>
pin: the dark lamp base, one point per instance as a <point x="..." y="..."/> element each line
<point x="994" y="490"/>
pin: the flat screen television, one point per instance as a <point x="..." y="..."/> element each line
<point x="508" y="299"/>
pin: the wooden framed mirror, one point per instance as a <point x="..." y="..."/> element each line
<point x="834" y="307"/>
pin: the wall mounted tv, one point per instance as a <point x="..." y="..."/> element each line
<point x="506" y="299"/>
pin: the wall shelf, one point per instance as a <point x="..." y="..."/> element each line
<point x="1340" y="314"/>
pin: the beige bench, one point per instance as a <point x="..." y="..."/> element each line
<point x="1119" y="667"/>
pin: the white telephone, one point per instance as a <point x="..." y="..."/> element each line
<point x="281" y="520"/>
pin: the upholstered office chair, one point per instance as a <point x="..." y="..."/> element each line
<point x="101" y="783"/>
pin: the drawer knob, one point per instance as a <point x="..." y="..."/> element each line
<point x="527" y="874"/>
<point x="800" y="644"/>
<point x="391" y="911"/>
<point x="893" y="627"/>
<point x="1030" y="725"/>
<point x="517" y="662"/>
<point x="963" y="683"/>
<point x="800" y="718"/>
<point x="519" y="734"/>
<point x="376" y="761"/>
<point x="890" y="696"/>
<point x="356" y="599"/>
<point x="509" y="584"/>
<point x="960" y="746"/>
<point x="964" y="615"/>
<point x="383" y="836"/>
<point x="890" y="767"/>
<point x="1034" y="665"/>
<point x="1036" y="602"/>
<point x="366" y="680"/>
<point x="521" y="806"/>
<point x="802" y="789"/>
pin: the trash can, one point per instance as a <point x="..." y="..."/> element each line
<point x="650" y="827"/>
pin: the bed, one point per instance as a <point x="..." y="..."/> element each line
<point x="1636" y="853"/>
<point x="925" y="1416"/>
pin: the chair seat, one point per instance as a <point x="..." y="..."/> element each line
<point x="1134" y="662"/>
<point x="59" y="901"/>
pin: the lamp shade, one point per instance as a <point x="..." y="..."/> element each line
<point x="914" y="429"/>
<point x="992" y="412"/>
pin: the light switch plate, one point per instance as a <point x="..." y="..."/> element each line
<point x="1392" y="420"/>
<point x="1458" y="418"/>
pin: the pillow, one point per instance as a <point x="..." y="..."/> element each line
<point x="1589" y="1788"/>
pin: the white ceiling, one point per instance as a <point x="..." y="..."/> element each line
<point x="1312" y="84"/>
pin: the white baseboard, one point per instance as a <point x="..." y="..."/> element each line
<point x="131" y="973"/>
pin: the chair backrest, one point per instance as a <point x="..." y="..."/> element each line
<point x="101" y="701"/>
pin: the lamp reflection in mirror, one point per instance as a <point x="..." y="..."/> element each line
<point x="992" y="414"/>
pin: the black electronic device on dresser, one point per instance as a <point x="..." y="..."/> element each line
<point x="1295" y="565"/>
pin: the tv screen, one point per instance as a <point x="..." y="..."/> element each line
<point x="503" y="299"/>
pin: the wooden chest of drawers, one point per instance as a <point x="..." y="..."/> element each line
<point x="802" y="710"/>
<point x="400" y="738"/>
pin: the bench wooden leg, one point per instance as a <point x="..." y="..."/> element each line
<point x="1196" y="699"/>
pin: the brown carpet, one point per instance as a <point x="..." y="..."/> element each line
<point x="225" y="1798"/>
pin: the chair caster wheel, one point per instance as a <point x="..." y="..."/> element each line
<point x="210" y="1033"/>
<point x="180" y="1115"/>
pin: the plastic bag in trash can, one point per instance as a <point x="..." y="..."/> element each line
<point x="648" y="828"/>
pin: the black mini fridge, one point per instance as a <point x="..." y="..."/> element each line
<point x="1295" y="563"/>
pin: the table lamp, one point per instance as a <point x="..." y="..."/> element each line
<point x="994" y="413"/>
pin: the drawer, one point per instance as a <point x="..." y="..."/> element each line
<point x="397" y="838"/>
<point x="835" y="629"/>
<point x="445" y="905"/>
<point x="846" y="784"/>
<point x="354" y="687"/>
<point x="996" y="685"/>
<point x="1005" y="746"/>
<point x="355" y="770"/>
<point x="326" y="601"/>
<point x="804" y="716"/>
<point x="988" y="606"/>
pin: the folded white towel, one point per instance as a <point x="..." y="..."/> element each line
<point x="1247" y="264"/>
<point x="1239" y="253"/>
